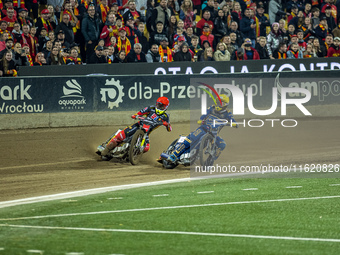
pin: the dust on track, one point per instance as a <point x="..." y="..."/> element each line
<point x="38" y="162"/>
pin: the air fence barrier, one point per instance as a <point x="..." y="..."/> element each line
<point x="56" y="101"/>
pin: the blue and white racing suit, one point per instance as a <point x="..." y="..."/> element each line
<point x="212" y="120"/>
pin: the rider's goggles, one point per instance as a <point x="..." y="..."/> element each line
<point x="160" y="106"/>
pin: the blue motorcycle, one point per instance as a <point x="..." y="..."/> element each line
<point x="203" y="151"/>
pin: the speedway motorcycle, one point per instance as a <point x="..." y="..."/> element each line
<point x="132" y="148"/>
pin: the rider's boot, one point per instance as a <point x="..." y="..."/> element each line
<point x="114" y="142"/>
<point x="146" y="148"/>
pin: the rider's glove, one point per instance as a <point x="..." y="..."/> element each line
<point x="167" y="125"/>
<point x="134" y="116"/>
<point x="199" y="122"/>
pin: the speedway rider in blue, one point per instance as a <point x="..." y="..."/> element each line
<point x="208" y="122"/>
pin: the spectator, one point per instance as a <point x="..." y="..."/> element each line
<point x="123" y="43"/>
<point x="294" y="13"/>
<point x="261" y="48"/>
<point x="183" y="54"/>
<point x="275" y="11"/>
<point x="274" y="38"/>
<point x="10" y="19"/>
<point x="19" y="55"/>
<point x="158" y="35"/>
<point x="61" y="39"/>
<point x="98" y="56"/>
<point x="220" y="25"/>
<point x="164" y="51"/>
<point x="206" y="35"/>
<point x="238" y="54"/>
<point x="320" y="50"/>
<point x="73" y="59"/>
<point x="90" y="30"/>
<point x="66" y="26"/>
<point x="111" y="53"/>
<point x="321" y="31"/>
<point x="249" y="52"/>
<point x="309" y="52"/>
<point x="120" y="58"/>
<point x="238" y="38"/>
<point x="263" y="20"/>
<point x="173" y="6"/>
<point x="227" y="41"/>
<point x="33" y="6"/>
<point x="153" y="55"/>
<point x="39" y="59"/>
<point x="102" y="10"/>
<point x="247" y="27"/>
<point x="55" y="57"/>
<point x="28" y="55"/>
<point x="56" y="4"/>
<point x="7" y="65"/>
<point x="221" y="53"/>
<point x="150" y="5"/>
<point x="160" y="13"/>
<point x="23" y="17"/>
<point x="301" y="41"/>
<point x="294" y="52"/>
<point x="237" y="12"/>
<point x="52" y="14"/>
<point x="8" y="47"/>
<point x="280" y="52"/>
<point x="334" y="49"/>
<point x="132" y="12"/>
<point x="136" y="55"/>
<point x="44" y="22"/>
<point x="210" y="8"/>
<point x="331" y="22"/>
<point x="336" y="31"/>
<point x="188" y="14"/>
<point x="47" y="49"/>
<point x="315" y="19"/>
<point x="109" y="29"/>
<point x="28" y="39"/>
<point x="172" y="26"/>
<point x="207" y="55"/>
<point x="205" y="19"/>
<point x="195" y="48"/>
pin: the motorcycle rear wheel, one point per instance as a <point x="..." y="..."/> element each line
<point x="135" y="151"/>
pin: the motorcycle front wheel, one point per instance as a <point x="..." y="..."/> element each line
<point x="135" y="150"/>
<point x="167" y="164"/>
<point x="207" y="150"/>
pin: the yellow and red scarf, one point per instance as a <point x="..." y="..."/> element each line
<point x="15" y="4"/>
<point x="282" y="55"/>
<point x="85" y="3"/>
<point x="47" y="25"/>
<point x="126" y="47"/>
<point x="104" y="11"/>
<point x="130" y="32"/>
<point x="168" y="53"/>
<point x="24" y="40"/>
<point x="29" y="57"/>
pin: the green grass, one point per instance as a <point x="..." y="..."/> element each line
<point x="317" y="218"/>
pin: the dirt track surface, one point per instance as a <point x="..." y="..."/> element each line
<point x="49" y="161"/>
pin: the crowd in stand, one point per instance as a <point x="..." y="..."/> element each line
<point x="73" y="32"/>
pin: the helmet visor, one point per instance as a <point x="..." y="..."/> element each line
<point x="160" y="106"/>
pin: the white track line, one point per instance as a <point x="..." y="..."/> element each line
<point x="205" y="192"/>
<point x="177" y="233"/>
<point x="293" y="187"/>
<point x="337" y="184"/>
<point x="161" y="195"/>
<point x="87" y="192"/>
<point x="251" y="189"/>
<point x="44" y="164"/>
<point x="169" y="207"/>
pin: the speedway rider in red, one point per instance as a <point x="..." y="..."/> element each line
<point x="156" y="113"/>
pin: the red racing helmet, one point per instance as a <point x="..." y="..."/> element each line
<point x="162" y="105"/>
